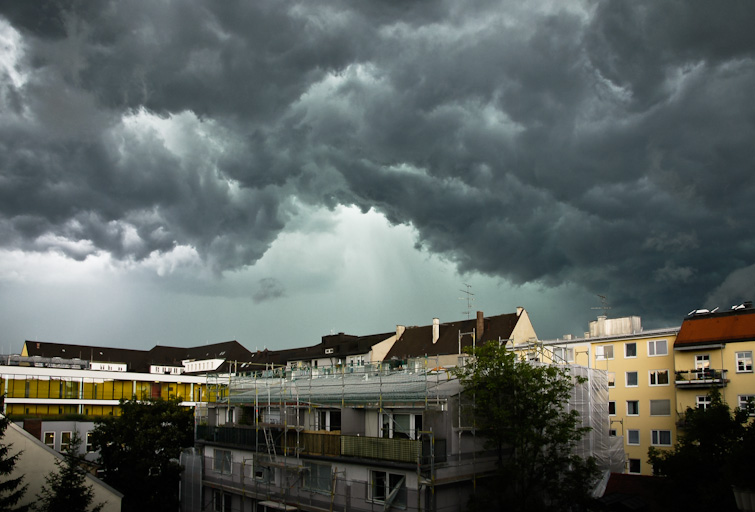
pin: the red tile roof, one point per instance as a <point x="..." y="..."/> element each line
<point x="724" y="327"/>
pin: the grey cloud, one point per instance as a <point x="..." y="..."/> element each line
<point x="609" y="146"/>
<point x="268" y="288"/>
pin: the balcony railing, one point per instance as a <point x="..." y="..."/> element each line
<point x="701" y="378"/>
<point x="327" y="444"/>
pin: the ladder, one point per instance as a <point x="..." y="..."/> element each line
<point x="270" y="443"/>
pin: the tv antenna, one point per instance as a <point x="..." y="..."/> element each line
<point x="603" y="305"/>
<point x="469" y="297"/>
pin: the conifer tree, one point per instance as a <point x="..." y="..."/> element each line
<point x="65" y="490"/>
<point x="11" y="489"/>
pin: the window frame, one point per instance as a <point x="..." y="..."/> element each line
<point x="626" y="349"/>
<point x="220" y="462"/>
<point x="307" y="478"/>
<point x="389" y="488"/>
<point x="666" y="400"/>
<point x="612" y="403"/>
<point x="631" y="431"/>
<point x="702" y="400"/>
<point x="611" y="379"/>
<point x="636" y="379"/>
<point x="637" y="402"/>
<point x="89" y="445"/>
<point x="742" y="400"/>
<point x="656" y="374"/>
<point x="653" y="352"/>
<point x="563" y="354"/>
<point x="638" y="463"/>
<point x="655" y="438"/>
<point x="740" y="357"/>
<point x="602" y="355"/>
<point x="65" y="445"/>
<point x="49" y="444"/>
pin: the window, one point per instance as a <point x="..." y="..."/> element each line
<point x="89" y="442"/>
<point x="702" y="361"/>
<point x="612" y="408"/>
<point x="604" y="352"/>
<point x="222" y="461"/>
<point x="633" y="437"/>
<point x="744" y="361"/>
<point x="660" y="407"/>
<point x="630" y="350"/>
<point x="317" y="477"/>
<point x="660" y="437"/>
<point x="659" y="377"/>
<point x="633" y="407"/>
<point x="563" y="354"/>
<point x="703" y="402"/>
<point x="50" y="439"/>
<point x="65" y="441"/>
<point x="658" y="348"/>
<point x="611" y="379"/>
<point x="400" y="426"/>
<point x="388" y="487"/>
<point x="222" y="501"/>
<point x="747" y="402"/>
<point x="612" y="432"/>
<point x="631" y="379"/>
<point x="635" y="466"/>
<point x="330" y="420"/>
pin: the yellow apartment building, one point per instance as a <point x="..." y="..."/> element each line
<point x="640" y="368"/>
<point x="715" y="349"/>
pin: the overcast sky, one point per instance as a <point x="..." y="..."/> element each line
<point x="181" y="172"/>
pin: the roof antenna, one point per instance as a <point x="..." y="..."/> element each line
<point x="469" y="298"/>
<point x="603" y="305"/>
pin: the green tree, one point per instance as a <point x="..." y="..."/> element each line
<point x="520" y="410"/>
<point x="11" y="489"/>
<point x="65" y="490"/>
<point x="139" y="451"/>
<point x="708" y="441"/>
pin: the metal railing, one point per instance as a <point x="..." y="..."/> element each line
<point x="701" y="377"/>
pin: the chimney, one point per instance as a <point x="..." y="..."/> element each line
<point x="519" y="310"/>
<point x="436" y="330"/>
<point x="480" y="325"/>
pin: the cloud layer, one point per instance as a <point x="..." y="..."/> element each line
<point x="607" y="145"/>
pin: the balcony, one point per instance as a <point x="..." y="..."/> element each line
<point x="701" y="378"/>
<point x="328" y="444"/>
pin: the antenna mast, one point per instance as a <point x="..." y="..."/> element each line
<point x="469" y="297"/>
<point x="603" y="305"/>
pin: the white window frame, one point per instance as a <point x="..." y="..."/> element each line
<point x="401" y="483"/>
<point x="744" y="361"/>
<point x="655" y="438"/>
<point x="638" y="407"/>
<point x="221" y="501"/>
<point x="626" y="347"/>
<point x="611" y="379"/>
<point x="328" y="420"/>
<point x="63" y="445"/>
<point x="629" y="439"/>
<point x="660" y="400"/>
<point x="50" y="444"/>
<point x="636" y="379"/>
<point x="742" y="400"/>
<point x="222" y="461"/>
<point x="702" y="400"/>
<point x="89" y="442"/>
<point x="656" y="374"/>
<point x="702" y="361"/>
<point x="614" y="408"/>
<point x="601" y="353"/>
<point x="653" y="348"/>
<point x="389" y="418"/>
<point x="316" y="483"/>
<point x="563" y="354"/>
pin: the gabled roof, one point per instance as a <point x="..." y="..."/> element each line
<point x="418" y="341"/>
<point x="726" y="327"/>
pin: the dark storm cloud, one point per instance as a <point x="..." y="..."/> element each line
<point x="608" y="145"/>
<point x="268" y="288"/>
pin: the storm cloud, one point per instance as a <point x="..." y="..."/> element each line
<point x="604" y="144"/>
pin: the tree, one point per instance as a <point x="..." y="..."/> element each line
<point x="710" y="440"/>
<point x="520" y="410"/>
<point x="139" y="451"/>
<point x="11" y="490"/>
<point x="66" y="490"/>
